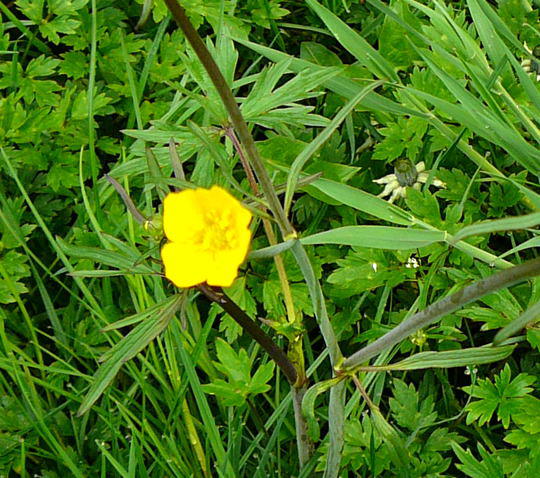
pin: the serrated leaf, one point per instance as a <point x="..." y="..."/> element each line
<point x="501" y="396"/>
<point x="409" y="411"/>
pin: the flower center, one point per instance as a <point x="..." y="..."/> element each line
<point x="405" y="171"/>
<point x="218" y="233"/>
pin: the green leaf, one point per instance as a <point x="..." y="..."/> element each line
<point x="259" y="382"/>
<point x="403" y="138"/>
<point x="531" y="315"/>
<point x="393" y="37"/>
<point x="271" y="251"/>
<point x="452" y="358"/>
<point x="62" y="24"/>
<point x="340" y="85"/>
<point x="109" y="258"/>
<point x="318" y="54"/>
<point x="409" y="410"/>
<point x="366" y="269"/>
<point x="489" y="467"/>
<point x="75" y="64"/>
<point x="355" y="44"/>
<point x="424" y="206"/>
<point x="306" y="154"/>
<point x="237" y="367"/>
<point x="13" y="268"/>
<point x="399" y="454"/>
<point x="308" y="405"/>
<point x="534" y="242"/>
<point x="376" y="237"/>
<point x="33" y="9"/>
<point x="144" y="315"/>
<point x="230" y="393"/>
<point x="363" y="201"/>
<point x="41" y="66"/>
<point x="501" y="396"/>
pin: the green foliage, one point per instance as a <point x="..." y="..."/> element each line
<point x="403" y="138"/>
<point x="503" y="396"/>
<point x="367" y="448"/>
<point x="171" y="385"/>
<point x="240" y="385"/>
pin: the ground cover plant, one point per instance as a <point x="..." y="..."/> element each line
<point x="364" y="173"/>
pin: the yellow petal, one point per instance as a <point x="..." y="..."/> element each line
<point x="185" y="265"/>
<point x="243" y="216"/>
<point x="225" y="201"/>
<point x="182" y="215"/>
<point x="222" y="274"/>
<point x="226" y="263"/>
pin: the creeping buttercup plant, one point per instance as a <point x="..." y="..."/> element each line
<point x="342" y="341"/>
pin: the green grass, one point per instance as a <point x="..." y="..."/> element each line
<point x="104" y="365"/>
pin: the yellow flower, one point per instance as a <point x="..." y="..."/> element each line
<point x="208" y="237"/>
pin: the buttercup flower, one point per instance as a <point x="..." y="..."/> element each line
<point x="208" y="237"/>
<point x="405" y="174"/>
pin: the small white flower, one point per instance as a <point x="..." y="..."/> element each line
<point x="405" y="174"/>
<point x="412" y="263"/>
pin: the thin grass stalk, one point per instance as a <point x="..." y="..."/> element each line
<point x="296" y="344"/>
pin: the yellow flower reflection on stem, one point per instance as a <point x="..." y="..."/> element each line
<point x="208" y="237"/>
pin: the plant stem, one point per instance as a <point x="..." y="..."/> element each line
<point x="497" y="281"/>
<point x="287" y="231"/>
<point x="303" y="442"/>
<point x="237" y="120"/>
<point x="252" y="328"/>
<point x="296" y="353"/>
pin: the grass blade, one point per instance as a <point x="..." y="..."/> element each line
<point x="378" y="237"/>
<point x="531" y="315"/>
<point x="451" y="358"/>
<point x="506" y="224"/>
<point x="125" y="350"/>
<point x="363" y="201"/>
<point x="310" y="150"/>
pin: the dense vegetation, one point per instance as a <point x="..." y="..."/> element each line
<point x="107" y="369"/>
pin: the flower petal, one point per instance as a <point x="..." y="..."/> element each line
<point x="385" y="179"/>
<point x="422" y="177"/>
<point x="185" y="264"/>
<point x="220" y="197"/>
<point x="397" y="193"/>
<point x="226" y="263"/>
<point x="438" y="183"/>
<point x="182" y="216"/>
<point x="389" y="188"/>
